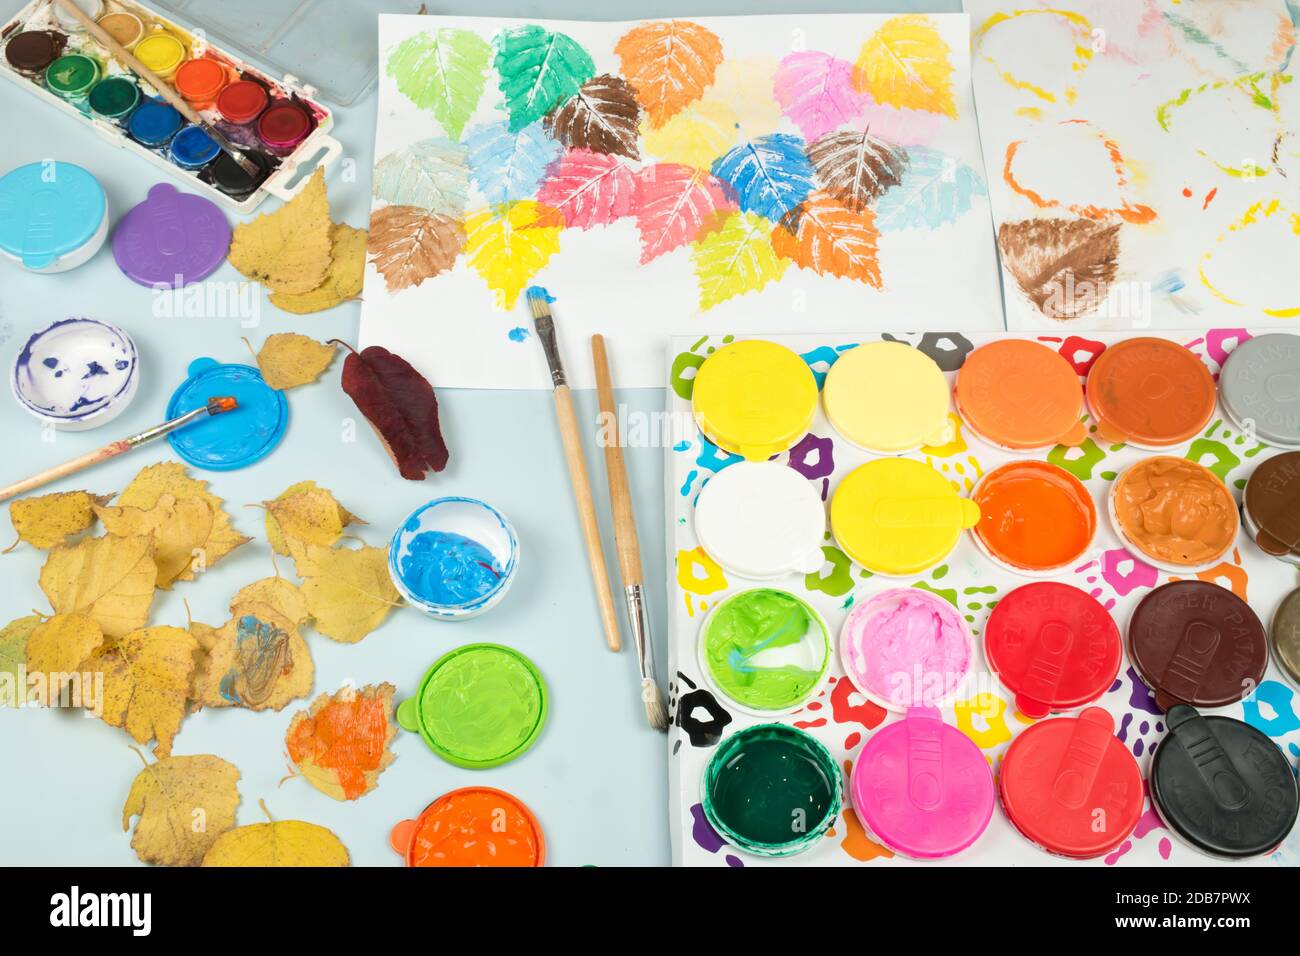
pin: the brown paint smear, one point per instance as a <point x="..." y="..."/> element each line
<point x="1175" y="511"/>
<point x="1064" y="266"/>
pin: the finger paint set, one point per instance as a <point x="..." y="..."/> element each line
<point x="981" y="596"/>
<point x="279" y="123"/>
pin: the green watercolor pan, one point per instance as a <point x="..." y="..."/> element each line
<point x="478" y="706"/>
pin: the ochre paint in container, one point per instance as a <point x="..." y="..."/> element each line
<point x="124" y="27"/>
<point x="1174" y="513"/>
<point x="754" y="398"/>
<point x="1193" y="642"/>
<point x="283" y="126"/>
<point x="1053" y="646"/>
<point x="1020" y="395"/>
<point x="1270" y="505"/>
<point x="1035" y="518"/>
<point x="472" y="826"/>
<point x="1070" y="786"/>
<point x="1151" y="393"/>
<point x="887" y="397"/>
<point x="201" y="80"/>
<point x="32" y="51"/>
<point x="771" y="790"/>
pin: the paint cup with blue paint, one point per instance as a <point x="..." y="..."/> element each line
<point x="75" y="374"/>
<point x="153" y="124"/>
<point x="193" y="148"/>
<point x="454" y="558"/>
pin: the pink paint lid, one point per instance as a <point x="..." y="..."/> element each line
<point x="923" y="787"/>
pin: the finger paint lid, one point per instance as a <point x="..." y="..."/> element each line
<point x="478" y="706"/>
<point x="888" y="397"/>
<point x="922" y="787"/>
<point x="1021" y="395"/>
<point x="153" y="123"/>
<point x="33" y="50"/>
<point x="1150" y="392"/>
<point x="472" y="826"/>
<point x="1069" y="785"/>
<point x="1260" y="385"/>
<point x="898" y="516"/>
<point x="1053" y="646"/>
<point x="761" y="520"/>
<point x="242" y="101"/>
<point x="232" y="439"/>
<point x="754" y="398"/>
<point x="1035" y="517"/>
<point x="1284" y="635"/>
<point x="171" y="239"/>
<point x="201" y="79"/>
<point x="1222" y="785"/>
<point x="48" y="210"/>
<point x="1271" y="503"/>
<point x="1193" y="642"/>
<point x="284" y="125"/>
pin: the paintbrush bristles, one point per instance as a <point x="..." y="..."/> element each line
<point x="537" y="302"/>
<point x="655" y="710"/>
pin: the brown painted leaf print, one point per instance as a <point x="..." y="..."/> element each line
<point x="1063" y="266"/>
<point x="603" y="117"/>
<point x="409" y="244"/>
<point x="855" y="167"/>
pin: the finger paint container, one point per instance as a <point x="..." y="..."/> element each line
<point x="1020" y="396"/>
<point x="1222" y="785"/>
<point x="1193" y="642"/>
<point x="1259" y="387"/>
<point x="242" y="102"/>
<point x="761" y="520"/>
<point x="124" y="27"/>
<point x="922" y="788"/>
<point x="766" y="651"/>
<point x="472" y="826"/>
<point x="283" y="126"/>
<point x="113" y="99"/>
<point x="53" y="216"/>
<point x="771" y="790"/>
<point x="887" y="398"/>
<point x="161" y="52"/>
<point x="1053" y="646"/>
<point x="1270" y="506"/>
<point x="192" y="148"/>
<point x="231" y="179"/>
<point x="153" y="124"/>
<point x="905" y="647"/>
<point x="1070" y="786"/>
<point x="754" y="398"/>
<point x="897" y="516"/>
<point x="237" y="438"/>
<point x="201" y="80"/>
<point x="1150" y="393"/>
<point x="1173" y="513"/>
<point x="76" y="373"/>
<point x="1035" y="518"/>
<point x="32" y="51"/>
<point x="478" y="706"/>
<point x="91" y="8"/>
<point x="71" y="77"/>
<point x="171" y="239"/>
<point x="454" y="558"/>
<point x="1284" y="636"/>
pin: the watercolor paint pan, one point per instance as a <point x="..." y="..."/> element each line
<point x="198" y="69"/>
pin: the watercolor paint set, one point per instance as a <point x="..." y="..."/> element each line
<point x="948" y="596"/>
<point x="278" y="122"/>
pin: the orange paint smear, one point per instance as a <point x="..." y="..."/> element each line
<point x="1209" y="197"/>
<point x="1034" y="515"/>
<point x="346" y="736"/>
<point x="1128" y="212"/>
<point x="476" y="827"/>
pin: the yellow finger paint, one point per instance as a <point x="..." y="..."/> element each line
<point x="887" y="397"/>
<point x="161" y="52"/>
<point x="897" y="516"/>
<point x="754" y="398"/>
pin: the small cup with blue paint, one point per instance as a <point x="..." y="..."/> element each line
<point x="454" y="558"/>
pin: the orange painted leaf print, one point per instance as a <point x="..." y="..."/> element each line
<point x="831" y="240"/>
<point x="341" y="744"/>
<point x="669" y="63"/>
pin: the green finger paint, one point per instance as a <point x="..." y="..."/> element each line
<point x="771" y="790"/>
<point x="765" y="649"/>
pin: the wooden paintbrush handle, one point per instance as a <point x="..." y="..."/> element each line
<point x="620" y="493"/>
<point x="581" y="483"/>
<point x="67" y="468"/>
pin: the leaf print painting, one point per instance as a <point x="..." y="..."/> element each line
<point x="667" y="173"/>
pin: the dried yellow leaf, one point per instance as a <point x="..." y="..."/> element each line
<point x="109" y="579"/>
<point x="288" y="360"/>
<point x="342" y="282"/>
<point x="147" y="678"/>
<point x="57" y="648"/>
<point x="349" y="593"/>
<point x="288" y="250"/>
<point x="283" y="597"/>
<point x="258" y="660"/>
<point x="48" y="520"/>
<point x="284" y="843"/>
<point x="13" y="659"/>
<point x="184" y="805"/>
<point x="311" y="514"/>
<point x="180" y="530"/>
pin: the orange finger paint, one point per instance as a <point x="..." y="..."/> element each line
<point x="1150" y="392"/>
<point x="1034" y="517"/>
<point x="472" y="826"/>
<point x="1020" y="395"/>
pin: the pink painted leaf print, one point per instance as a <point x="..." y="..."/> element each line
<point x="817" y="93"/>
<point x="588" y="188"/>
<point x="674" y="204"/>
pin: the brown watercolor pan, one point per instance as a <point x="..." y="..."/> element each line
<point x="1150" y="393"/>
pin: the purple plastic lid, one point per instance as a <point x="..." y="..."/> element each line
<point x="171" y="239"/>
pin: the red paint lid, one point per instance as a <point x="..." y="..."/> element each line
<point x="1053" y="646"/>
<point x="200" y="80"/>
<point x="242" y="101"/>
<point x="1069" y="785"/>
<point x="284" y="125"/>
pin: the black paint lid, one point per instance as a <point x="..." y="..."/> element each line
<point x="228" y="176"/>
<point x="1222" y="785"/>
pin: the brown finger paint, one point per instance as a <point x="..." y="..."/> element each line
<point x="1193" y="642"/>
<point x="1174" y="511"/>
<point x="1271" y="502"/>
<point x="1150" y="392"/>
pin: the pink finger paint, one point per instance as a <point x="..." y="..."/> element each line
<point x="904" y="647"/>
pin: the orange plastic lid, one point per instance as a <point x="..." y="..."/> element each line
<point x="472" y="826"/>
<point x="1021" y="395"/>
<point x="201" y="80"/>
<point x="1150" y="392"/>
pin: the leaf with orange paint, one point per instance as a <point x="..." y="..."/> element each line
<point x="669" y="63"/>
<point x="341" y="745"/>
<point x="905" y="63"/>
<point x="831" y="240"/>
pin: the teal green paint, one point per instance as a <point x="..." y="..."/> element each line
<point x="758" y="621"/>
<point x="538" y="70"/>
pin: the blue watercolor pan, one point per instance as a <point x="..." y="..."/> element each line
<point x="234" y="439"/>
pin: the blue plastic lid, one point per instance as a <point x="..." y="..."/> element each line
<point x="153" y="123"/>
<point x="193" y="148"/>
<point x="48" y="210"/>
<point x="233" y="439"/>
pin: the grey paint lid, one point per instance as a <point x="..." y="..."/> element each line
<point x="1260" y="387"/>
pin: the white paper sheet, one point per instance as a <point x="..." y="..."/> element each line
<point x="776" y="84"/>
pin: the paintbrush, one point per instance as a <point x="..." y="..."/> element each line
<point x="215" y="406"/>
<point x="128" y="60"/>
<point x="627" y="544"/>
<point x="539" y="301"/>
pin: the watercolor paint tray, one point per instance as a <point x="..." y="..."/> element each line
<point x="289" y="170"/>
<point x="841" y="718"/>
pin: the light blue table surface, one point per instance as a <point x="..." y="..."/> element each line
<point x="597" y="779"/>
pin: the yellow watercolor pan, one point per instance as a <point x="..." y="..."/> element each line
<point x="897" y="516"/>
<point x="754" y="398"/>
<point x="887" y="398"/>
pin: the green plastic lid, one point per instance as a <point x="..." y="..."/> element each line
<point x="72" y="75"/>
<point x="478" y="706"/>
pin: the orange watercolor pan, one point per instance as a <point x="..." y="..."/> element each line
<point x="1151" y="393"/>
<point x="1035" y="518"/>
<point x="1019" y="395"/>
<point x="472" y="826"/>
